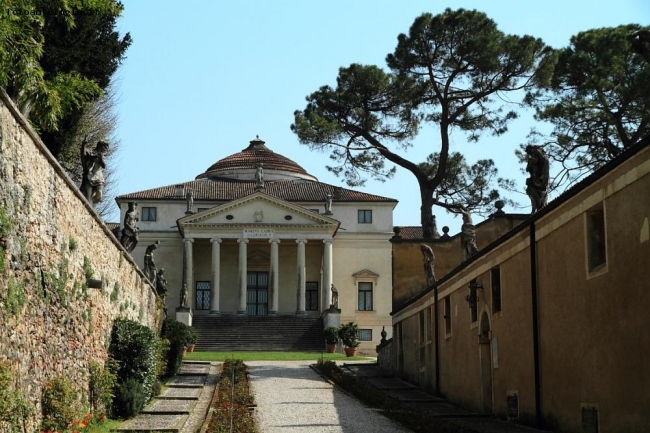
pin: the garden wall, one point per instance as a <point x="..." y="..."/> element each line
<point x="51" y="241"/>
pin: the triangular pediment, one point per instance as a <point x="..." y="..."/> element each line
<point x="365" y="274"/>
<point x="257" y="210"/>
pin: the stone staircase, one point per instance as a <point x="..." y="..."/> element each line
<point x="260" y="333"/>
<point x="182" y="407"/>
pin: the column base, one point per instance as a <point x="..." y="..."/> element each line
<point x="241" y="313"/>
<point x="215" y="312"/>
<point x="273" y="313"/>
<point x="300" y="313"/>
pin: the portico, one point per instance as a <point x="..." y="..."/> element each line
<point x="258" y="230"/>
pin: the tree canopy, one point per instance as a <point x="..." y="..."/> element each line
<point x="598" y="101"/>
<point x="450" y="71"/>
<point x="56" y="56"/>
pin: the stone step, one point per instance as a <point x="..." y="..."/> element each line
<point x="267" y="333"/>
<point x="170" y="407"/>
<point x="158" y="423"/>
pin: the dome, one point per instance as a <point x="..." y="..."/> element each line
<point x="243" y="165"/>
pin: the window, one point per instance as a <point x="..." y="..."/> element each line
<point x="365" y="296"/>
<point x="364" y="216"/>
<point x="422" y="328"/>
<point x="148" y="214"/>
<point x="447" y="316"/>
<point x="202" y="295"/>
<point x="365" y="335"/>
<point x="596" y="246"/>
<point x="311" y="296"/>
<point x="315" y="210"/>
<point x="429" y="325"/>
<point x="201" y="209"/>
<point x="496" y="290"/>
<point x="473" y="301"/>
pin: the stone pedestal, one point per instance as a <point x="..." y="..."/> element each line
<point x="332" y="317"/>
<point x="184" y="315"/>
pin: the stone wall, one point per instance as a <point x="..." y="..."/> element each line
<point x="51" y="240"/>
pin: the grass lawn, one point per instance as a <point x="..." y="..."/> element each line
<point x="271" y="356"/>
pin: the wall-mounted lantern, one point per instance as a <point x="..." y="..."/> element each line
<point x="472" y="298"/>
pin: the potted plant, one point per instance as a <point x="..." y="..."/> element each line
<point x="349" y="335"/>
<point x="331" y="338"/>
<point x="191" y="338"/>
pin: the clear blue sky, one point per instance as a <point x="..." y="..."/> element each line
<point x="203" y="78"/>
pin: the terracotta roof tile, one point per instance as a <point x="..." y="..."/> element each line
<point x="250" y="157"/>
<point x="231" y="189"/>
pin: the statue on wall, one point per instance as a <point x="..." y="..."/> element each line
<point x="150" y="270"/>
<point x="640" y="41"/>
<point x="184" y="296"/>
<point x="259" y="176"/>
<point x="328" y="204"/>
<point x="434" y="227"/>
<point x="335" y="297"/>
<point x="189" y="197"/>
<point x="93" y="163"/>
<point x="468" y="235"/>
<point x="537" y="183"/>
<point x="428" y="257"/>
<point x="130" y="232"/>
<point x="161" y="283"/>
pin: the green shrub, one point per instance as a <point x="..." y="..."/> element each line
<point x="162" y="356"/>
<point x="134" y="347"/>
<point x="331" y="334"/>
<point x="179" y="336"/>
<point x="101" y="384"/>
<point x="129" y="399"/>
<point x="349" y="334"/>
<point x="15" y="408"/>
<point x="60" y="404"/>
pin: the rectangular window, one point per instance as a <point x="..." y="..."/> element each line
<point x="365" y="296"/>
<point x="364" y="216"/>
<point x="473" y="301"/>
<point x="202" y="295"/>
<point x="496" y="290"/>
<point x="201" y="209"/>
<point x="148" y="214"/>
<point x="422" y="327"/>
<point x="365" y="335"/>
<point x="429" y="324"/>
<point x="596" y="246"/>
<point x="311" y="296"/>
<point x="447" y="316"/>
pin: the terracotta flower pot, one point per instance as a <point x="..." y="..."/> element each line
<point x="350" y="351"/>
<point x="190" y="348"/>
<point x="331" y="348"/>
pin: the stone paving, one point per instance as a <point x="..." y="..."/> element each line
<point x="183" y="405"/>
<point x="413" y="397"/>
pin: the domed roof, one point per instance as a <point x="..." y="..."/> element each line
<point x="244" y="164"/>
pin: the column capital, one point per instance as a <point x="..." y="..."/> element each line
<point x="244" y="240"/>
<point x="301" y="241"/>
<point x="328" y="241"/>
<point x="274" y="241"/>
<point x="188" y="240"/>
<point x="217" y="239"/>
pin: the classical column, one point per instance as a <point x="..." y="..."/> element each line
<point x="188" y="269"/>
<point x="216" y="275"/>
<point x="327" y="274"/>
<point x="300" y="308"/>
<point x="243" y="275"/>
<point x="274" y="286"/>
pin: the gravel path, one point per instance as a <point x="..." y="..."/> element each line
<point x="291" y="397"/>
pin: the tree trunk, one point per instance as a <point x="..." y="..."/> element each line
<point x="426" y="212"/>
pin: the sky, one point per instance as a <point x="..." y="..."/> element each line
<point x="203" y="78"/>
